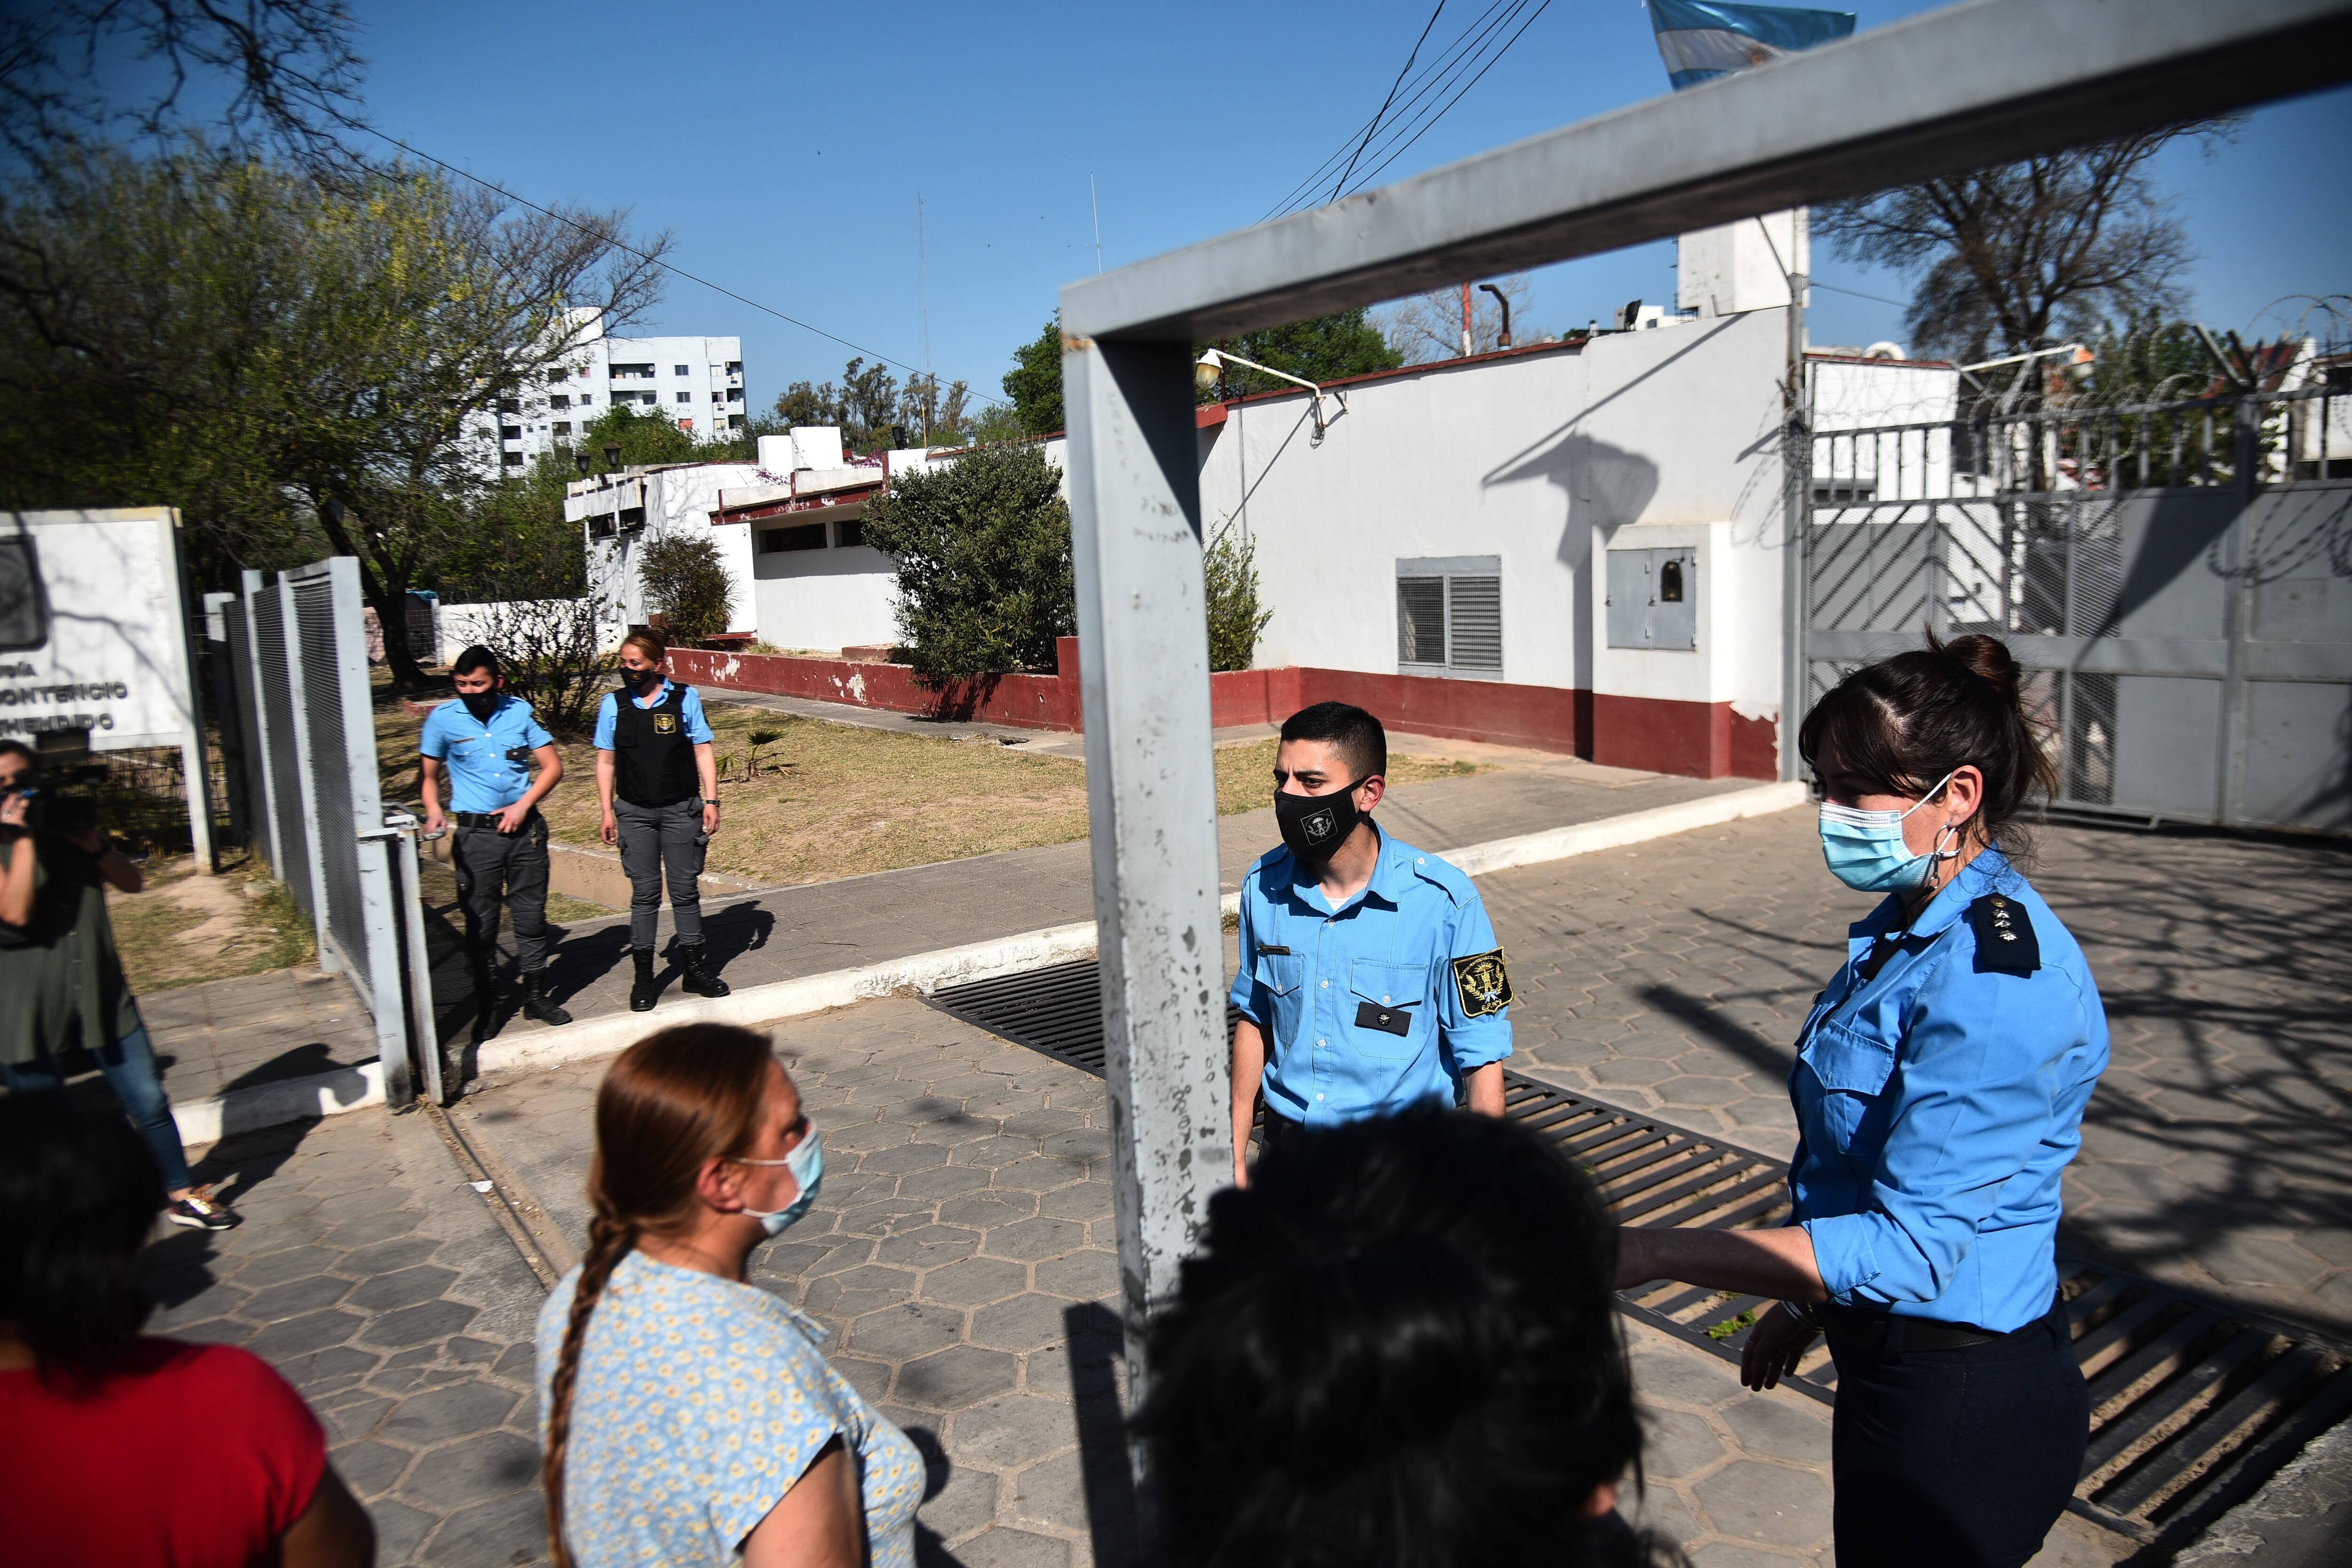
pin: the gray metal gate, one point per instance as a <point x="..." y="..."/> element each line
<point x="2176" y="578"/>
<point x="300" y="647"/>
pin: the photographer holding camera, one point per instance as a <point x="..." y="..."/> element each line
<point x="61" y="983"/>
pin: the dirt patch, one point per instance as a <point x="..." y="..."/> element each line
<point x="181" y="928"/>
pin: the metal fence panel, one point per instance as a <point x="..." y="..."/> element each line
<point x="2188" y="639"/>
<point x="289" y="813"/>
<point x="334" y="791"/>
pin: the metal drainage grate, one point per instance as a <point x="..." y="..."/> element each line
<point x="2193" y="1404"/>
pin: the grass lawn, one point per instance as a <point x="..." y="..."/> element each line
<point x="181" y="928"/>
<point x="835" y="800"/>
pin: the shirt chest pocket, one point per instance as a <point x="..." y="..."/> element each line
<point x="1852" y="1067"/>
<point x="1282" y="974"/>
<point x="1387" y="1015"/>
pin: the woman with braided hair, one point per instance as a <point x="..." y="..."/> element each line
<point x="1939" y="1089"/>
<point x="686" y="1416"/>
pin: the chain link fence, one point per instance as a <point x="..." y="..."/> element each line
<point x="300" y="733"/>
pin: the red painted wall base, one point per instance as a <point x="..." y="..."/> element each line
<point x="1697" y="740"/>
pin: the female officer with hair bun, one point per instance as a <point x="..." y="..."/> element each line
<point x="1940" y="1088"/>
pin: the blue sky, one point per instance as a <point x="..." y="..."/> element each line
<point x="785" y="146"/>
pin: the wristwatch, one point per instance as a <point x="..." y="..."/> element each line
<point x="1803" y="1313"/>
<point x="707" y="800"/>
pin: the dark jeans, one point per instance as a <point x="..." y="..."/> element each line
<point x="491" y="865"/>
<point x="1956" y="1459"/>
<point x="658" y="841"/>
<point x="130" y="1067"/>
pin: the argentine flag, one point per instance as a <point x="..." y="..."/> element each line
<point x="1703" y="39"/>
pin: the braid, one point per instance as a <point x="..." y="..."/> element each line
<point x="609" y="1241"/>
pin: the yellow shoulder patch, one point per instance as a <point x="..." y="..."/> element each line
<point x="1483" y="982"/>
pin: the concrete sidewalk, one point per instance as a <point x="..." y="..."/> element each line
<point x="281" y="1029"/>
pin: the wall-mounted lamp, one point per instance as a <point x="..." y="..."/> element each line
<point x="1503" y="341"/>
<point x="611" y="454"/>
<point x="580" y="460"/>
<point x="1212" y="360"/>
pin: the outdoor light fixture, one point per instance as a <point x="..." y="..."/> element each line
<point x="582" y="459"/>
<point x="611" y="454"/>
<point x="1212" y="360"/>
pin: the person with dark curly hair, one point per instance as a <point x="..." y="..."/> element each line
<point x="118" y="1447"/>
<point x="1397" y="1348"/>
<point x="1940" y="1088"/>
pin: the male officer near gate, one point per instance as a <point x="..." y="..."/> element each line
<point x="1370" y="979"/>
<point x="485" y="741"/>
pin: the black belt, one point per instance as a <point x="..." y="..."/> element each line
<point x="487" y="818"/>
<point x="1869" y="1330"/>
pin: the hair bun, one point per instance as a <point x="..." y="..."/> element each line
<point x="1987" y="658"/>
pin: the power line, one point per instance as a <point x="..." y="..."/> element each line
<point x="1372" y="130"/>
<point x="1841" y="289"/>
<point x="1370" y="173"/>
<point x="1294" y="197"/>
<point x="648" y="256"/>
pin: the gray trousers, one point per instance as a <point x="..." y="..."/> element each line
<point x="658" y="840"/>
<point x="492" y="866"/>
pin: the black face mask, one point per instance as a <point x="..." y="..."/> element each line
<point x="642" y="679"/>
<point x="480" y="704"/>
<point x="1313" y="825"/>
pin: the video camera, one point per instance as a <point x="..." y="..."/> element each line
<point x="63" y="799"/>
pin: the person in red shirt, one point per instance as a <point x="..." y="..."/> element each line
<point x="122" y="1448"/>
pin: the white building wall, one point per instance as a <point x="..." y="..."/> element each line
<point x="1742" y="266"/>
<point x="1520" y="458"/>
<point x="677" y="499"/>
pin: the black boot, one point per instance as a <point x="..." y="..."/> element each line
<point x="486" y="1009"/>
<point x="536" y="1005"/>
<point x="641" y="992"/>
<point x="698" y="980"/>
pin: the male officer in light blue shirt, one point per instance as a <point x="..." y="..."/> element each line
<point x="1371" y="978"/>
<point x="487" y="741"/>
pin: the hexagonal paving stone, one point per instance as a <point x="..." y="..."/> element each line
<point x="283" y="1341"/>
<point x="279" y="1266"/>
<point x="965" y="1502"/>
<point x="1039" y="1174"/>
<point x="987" y="1210"/>
<point x="1770" y="1503"/>
<point x="1773" y="1426"/>
<point x="371" y="1228"/>
<point x="927" y="1246"/>
<point x="976" y="1282"/>
<point x="476" y="1471"/>
<point x="371" y="1469"/>
<point x="1677" y="1442"/>
<point x="1023" y="1323"/>
<point x="1018" y="1429"/>
<point x="1086" y="1275"/>
<point x="504" y="1530"/>
<point x="948" y="1182"/>
<point x="418" y="1325"/>
<point x="422" y="1420"/>
<point x="1031" y="1239"/>
<point x="902" y="1333"/>
<point x="957" y="1376"/>
<point x="859" y="1290"/>
<point x="1004" y="1548"/>
<point x="905" y="1159"/>
<point x="402" y="1287"/>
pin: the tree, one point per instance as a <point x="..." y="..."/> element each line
<point x="294" y="78"/>
<point x="1327" y="348"/>
<point x="687" y="583"/>
<point x="1425" y="328"/>
<point x="983" y="553"/>
<point x="290" y="359"/>
<point x="1034" y="381"/>
<point x="873" y="412"/>
<point x="2010" y="256"/>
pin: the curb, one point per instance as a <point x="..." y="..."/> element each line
<point x="353" y="1088"/>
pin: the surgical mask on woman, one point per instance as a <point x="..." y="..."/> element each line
<point x="1865" y="849"/>
<point x="806" y="1162"/>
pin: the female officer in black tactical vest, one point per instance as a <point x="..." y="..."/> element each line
<point x="658" y="781"/>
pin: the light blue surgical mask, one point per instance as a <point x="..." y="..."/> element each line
<point x="806" y="1162"/>
<point x="1865" y="849"/>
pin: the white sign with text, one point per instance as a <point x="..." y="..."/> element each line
<point x="116" y="661"/>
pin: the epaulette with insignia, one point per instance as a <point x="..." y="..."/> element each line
<point x="2005" y="940"/>
<point x="1482" y="982"/>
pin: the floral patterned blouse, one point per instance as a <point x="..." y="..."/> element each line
<point x="699" y="1403"/>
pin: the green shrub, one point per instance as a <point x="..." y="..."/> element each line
<point x="685" y="580"/>
<point x="984" y="553"/>
<point x="1230" y="568"/>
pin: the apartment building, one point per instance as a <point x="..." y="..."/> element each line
<point x="696" y="382"/>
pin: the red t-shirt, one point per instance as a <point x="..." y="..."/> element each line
<point x="188" y="1457"/>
